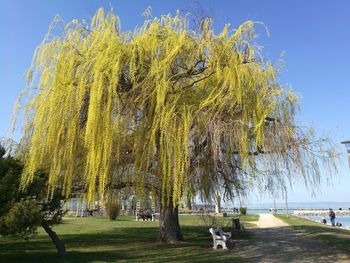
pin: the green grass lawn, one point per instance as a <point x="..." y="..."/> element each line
<point x="97" y="239"/>
<point x="333" y="236"/>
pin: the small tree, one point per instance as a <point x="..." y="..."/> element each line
<point x="21" y="212"/>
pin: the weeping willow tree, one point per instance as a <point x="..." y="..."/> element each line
<point x="164" y="109"/>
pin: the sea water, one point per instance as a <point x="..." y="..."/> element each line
<point x="252" y="211"/>
<point x="264" y="208"/>
<point x="302" y="205"/>
<point x="263" y="211"/>
<point x="258" y="211"/>
<point x="267" y="211"/>
<point x="344" y="220"/>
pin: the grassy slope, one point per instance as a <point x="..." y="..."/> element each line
<point x="336" y="237"/>
<point x="97" y="239"/>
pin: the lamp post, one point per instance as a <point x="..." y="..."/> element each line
<point x="347" y="146"/>
<point x="286" y="197"/>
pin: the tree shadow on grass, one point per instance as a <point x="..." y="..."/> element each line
<point x="117" y="245"/>
<point x="297" y="244"/>
<point x="332" y="236"/>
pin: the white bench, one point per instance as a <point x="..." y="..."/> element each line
<point x="220" y="237"/>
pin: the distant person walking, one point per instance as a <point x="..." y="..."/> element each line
<point x="332" y="216"/>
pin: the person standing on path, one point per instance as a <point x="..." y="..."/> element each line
<point x="332" y="216"/>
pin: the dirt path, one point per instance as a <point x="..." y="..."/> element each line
<point x="269" y="220"/>
<point x="274" y="241"/>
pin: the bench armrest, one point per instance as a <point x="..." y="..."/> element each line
<point x="229" y="234"/>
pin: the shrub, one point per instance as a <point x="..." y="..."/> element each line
<point x="209" y="220"/>
<point x="112" y="209"/>
<point x="22" y="219"/>
<point x="243" y="210"/>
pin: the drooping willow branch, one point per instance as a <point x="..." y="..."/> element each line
<point x="147" y="100"/>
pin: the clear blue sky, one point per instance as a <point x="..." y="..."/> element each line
<point x="314" y="34"/>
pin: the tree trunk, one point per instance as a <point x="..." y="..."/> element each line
<point x="55" y="239"/>
<point x="189" y="203"/>
<point x="170" y="231"/>
<point x="217" y="203"/>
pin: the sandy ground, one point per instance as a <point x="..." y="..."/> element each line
<point x="269" y="220"/>
<point x="274" y="241"/>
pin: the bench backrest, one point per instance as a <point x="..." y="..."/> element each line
<point x="219" y="229"/>
<point x="213" y="232"/>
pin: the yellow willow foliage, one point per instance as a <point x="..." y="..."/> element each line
<point x="100" y="94"/>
